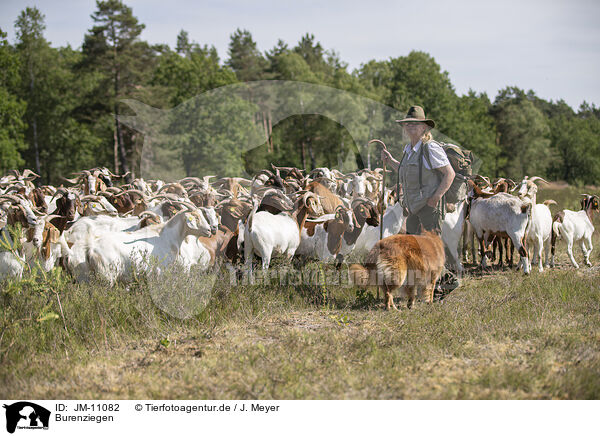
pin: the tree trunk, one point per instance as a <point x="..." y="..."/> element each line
<point x="116" y="151"/>
<point x="36" y="148"/>
<point x="303" y="154"/>
<point x="266" y="128"/>
<point x="122" y="151"/>
<point x="120" y="143"/>
<point x="270" y="125"/>
<point x="312" y="156"/>
<point x="371" y="114"/>
<point x="187" y="165"/>
<point x="38" y="167"/>
<point x="119" y="132"/>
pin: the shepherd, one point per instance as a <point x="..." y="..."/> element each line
<point x="425" y="174"/>
<point x="424" y="180"/>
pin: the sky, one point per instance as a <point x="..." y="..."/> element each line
<point x="551" y="47"/>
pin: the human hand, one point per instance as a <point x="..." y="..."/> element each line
<point x="433" y="201"/>
<point x="385" y="155"/>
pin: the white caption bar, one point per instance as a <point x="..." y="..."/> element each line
<point x="71" y="417"/>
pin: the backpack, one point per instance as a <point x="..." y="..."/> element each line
<point x="462" y="162"/>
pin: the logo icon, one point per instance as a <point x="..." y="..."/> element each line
<point x="26" y="415"/>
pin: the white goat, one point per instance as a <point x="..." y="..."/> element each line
<point x="97" y="224"/>
<point x="576" y="227"/>
<point x="192" y="251"/>
<point x="114" y="255"/>
<point x="452" y="229"/>
<point x="12" y="262"/>
<point x="10" y="265"/>
<point x="87" y="228"/>
<point x="538" y="235"/>
<point x="265" y="233"/>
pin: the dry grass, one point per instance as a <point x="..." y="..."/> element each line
<point x="500" y="336"/>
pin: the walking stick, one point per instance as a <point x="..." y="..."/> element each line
<point x="382" y="198"/>
<point x="382" y="190"/>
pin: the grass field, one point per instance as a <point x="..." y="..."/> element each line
<point x="498" y="336"/>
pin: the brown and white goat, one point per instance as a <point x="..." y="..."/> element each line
<point x="233" y="211"/>
<point x="45" y="245"/>
<point x="68" y="207"/>
<point x="217" y="245"/>
<point x="503" y="243"/>
<point x="90" y="182"/>
<point x="322" y="238"/>
<point x="329" y="200"/>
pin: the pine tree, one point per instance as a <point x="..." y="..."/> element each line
<point x="33" y="50"/>
<point x="113" y="47"/>
<point x="244" y="58"/>
<point x="12" y="109"/>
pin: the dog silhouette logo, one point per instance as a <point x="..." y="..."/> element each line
<point x="26" y="415"/>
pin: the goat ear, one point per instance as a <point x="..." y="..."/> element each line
<point x="525" y="208"/>
<point x="30" y="234"/>
<point x="190" y="221"/>
<point x="54" y="235"/>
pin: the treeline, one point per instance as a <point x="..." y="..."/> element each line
<point x="58" y="106"/>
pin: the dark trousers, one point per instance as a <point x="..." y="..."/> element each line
<point x="428" y="218"/>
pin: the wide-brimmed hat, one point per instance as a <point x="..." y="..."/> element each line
<point x="416" y="113"/>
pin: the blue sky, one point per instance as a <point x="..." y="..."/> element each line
<point x="552" y="47"/>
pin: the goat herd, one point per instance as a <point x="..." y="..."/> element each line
<point x="93" y="227"/>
